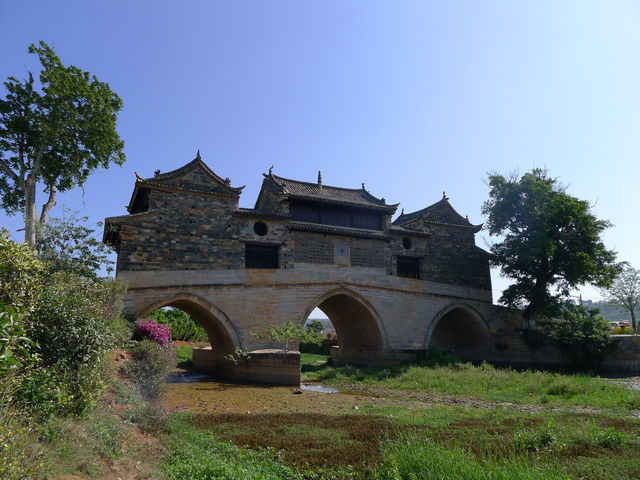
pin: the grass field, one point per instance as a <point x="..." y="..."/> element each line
<point x="490" y="384"/>
<point x="453" y="422"/>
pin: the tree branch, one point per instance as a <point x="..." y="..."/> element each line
<point x="51" y="201"/>
<point x="5" y="168"/>
<point x="36" y="161"/>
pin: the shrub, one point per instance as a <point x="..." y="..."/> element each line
<point x="183" y="326"/>
<point x="57" y="390"/>
<point x="20" y="274"/>
<point x="14" y="345"/>
<point x="74" y="324"/>
<point x="435" y="356"/>
<point x="21" y="454"/>
<point x="149" y="367"/>
<point x="584" y="334"/>
<point x="149" y="329"/>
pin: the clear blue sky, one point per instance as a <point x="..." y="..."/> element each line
<point x="412" y="98"/>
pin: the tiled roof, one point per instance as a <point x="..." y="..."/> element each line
<point x="193" y="164"/>
<point x="440" y="212"/>
<point x="335" y="230"/>
<point x="317" y="192"/>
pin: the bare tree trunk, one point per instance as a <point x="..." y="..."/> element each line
<point x="633" y="321"/>
<point x="30" y="214"/>
<point x="51" y="202"/>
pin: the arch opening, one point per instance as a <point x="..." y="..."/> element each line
<point x="462" y="332"/>
<point x="356" y="329"/>
<point x="360" y="335"/>
<point x="221" y="334"/>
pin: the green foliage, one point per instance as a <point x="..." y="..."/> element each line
<point x="551" y="242"/>
<point x="196" y="455"/>
<point x="435" y="356"/>
<point x="57" y="390"/>
<point x="75" y="322"/>
<point x="183" y="326"/>
<point x="56" y="134"/>
<point x="20" y="274"/>
<point x="584" y="334"/>
<point x="21" y="455"/>
<point x="415" y="457"/>
<point x="68" y="245"/>
<point x="492" y="384"/>
<point x="289" y="334"/>
<point x="149" y="368"/>
<point x="14" y="345"/>
<point x="542" y="438"/>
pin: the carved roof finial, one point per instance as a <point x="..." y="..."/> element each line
<point x="402" y="212"/>
<point x="466" y="217"/>
<point x="156" y="173"/>
<point x="138" y="177"/>
<point x="271" y="170"/>
<point x="444" y="195"/>
<point x="198" y="157"/>
<point x="363" y="186"/>
<point x="319" y="178"/>
<point x="383" y="200"/>
<point x="227" y="181"/>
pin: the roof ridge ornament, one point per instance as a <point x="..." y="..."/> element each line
<point x="138" y="177"/>
<point x="320" y="178"/>
<point x="271" y="170"/>
<point x="363" y="187"/>
<point x="444" y="195"/>
<point x="198" y="157"/>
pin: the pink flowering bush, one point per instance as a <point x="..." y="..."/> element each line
<point x="149" y="329"/>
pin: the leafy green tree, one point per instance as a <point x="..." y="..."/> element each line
<point x="315" y="327"/>
<point x="21" y="274"/>
<point x="584" y="333"/>
<point x="56" y="135"/>
<point x="68" y="245"/>
<point x="551" y="242"/>
<point x="625" y="291"/>
<point x="289" y="334"/>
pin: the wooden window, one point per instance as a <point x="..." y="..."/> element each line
<point x="334" y="216"/>
<point x="408" y="267"/>
<point x="370" y="221"/>
<point x="260" y="256"/>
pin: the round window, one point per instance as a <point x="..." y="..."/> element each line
<point x="260" y="228"/>
<point x="406" y="243"/>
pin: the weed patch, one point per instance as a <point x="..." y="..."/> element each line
<point x="311" y="440"/>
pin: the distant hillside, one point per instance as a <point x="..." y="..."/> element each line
<point x="613" y="313"/>
<point x="325" y="321"/>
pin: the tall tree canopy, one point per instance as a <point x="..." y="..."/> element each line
<point x="625" y="291"/>
<point x="56" y="135"/>
<point x="551" y="242"/>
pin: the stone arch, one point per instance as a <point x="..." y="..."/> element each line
<point x="358" y="325"/>
<point x="460" y="329"/>
<point x="220" y="330"/>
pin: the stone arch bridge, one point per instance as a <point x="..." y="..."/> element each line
<point x="379" y="320"/>
<point x="390" y="288"/>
